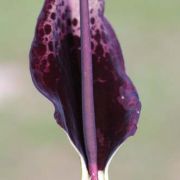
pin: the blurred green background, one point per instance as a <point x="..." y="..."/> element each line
<point x="33" y="147"/>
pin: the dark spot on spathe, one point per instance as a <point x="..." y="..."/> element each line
<point x="47" y="29"/>
<point x="92" y="20"/>
<point x="74" y="22"/>
<point x="53" y="16"/>
<point x="50" y="45"/>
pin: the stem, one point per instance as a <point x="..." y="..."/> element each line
<point x="85" y="174"/>
<point x="87" y="92"/>
<point x="102" y="175"/>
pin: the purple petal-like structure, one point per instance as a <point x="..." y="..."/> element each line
<point x="55" y="64"/>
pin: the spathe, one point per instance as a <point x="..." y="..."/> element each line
<point x="55" y="63"/>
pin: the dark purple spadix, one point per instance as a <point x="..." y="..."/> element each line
<point x="58" y="73"/>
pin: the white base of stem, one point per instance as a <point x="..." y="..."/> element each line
<point x="102" y="175"/>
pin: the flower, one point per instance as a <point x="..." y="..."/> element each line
<point x="55" y="64"/>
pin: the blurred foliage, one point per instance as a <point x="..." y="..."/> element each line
<point x="32" y="146"/>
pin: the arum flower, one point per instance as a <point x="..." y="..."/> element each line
<point x="77" y="63"/>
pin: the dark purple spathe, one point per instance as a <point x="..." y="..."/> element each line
<point x="55" y="63"/>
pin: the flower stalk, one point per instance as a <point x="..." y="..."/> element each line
<point x="87" y="91"/>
